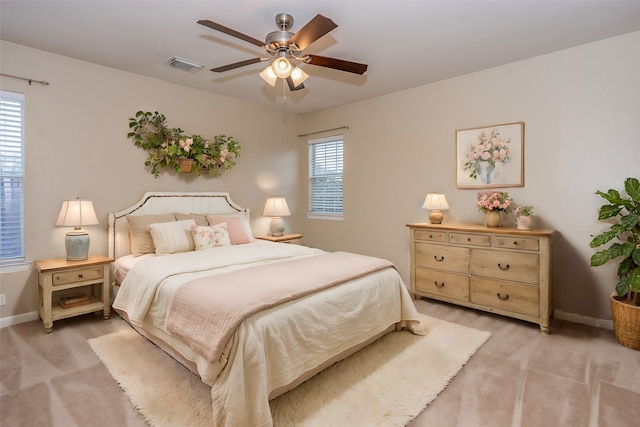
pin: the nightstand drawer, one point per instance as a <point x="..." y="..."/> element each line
<point x="442" y="257"/>
<point x="507" y="265"/>
<point x="79" y="275"/>
<point x="517" y="243"/>
<point x="470" y="239"/>
<point x="433" y="236"/>
<point x="439" y="283"/>
<point x="506" y="296"/>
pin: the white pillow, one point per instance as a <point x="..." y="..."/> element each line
<point x="206" y="237"/>
<point x="172" y="237"/>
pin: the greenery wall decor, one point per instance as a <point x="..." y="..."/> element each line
<point x="170" y="147"/>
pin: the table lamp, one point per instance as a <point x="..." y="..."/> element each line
<point x="76" y="213"/>
<point x="276" y="207"/>
<point x="435" y="202"/>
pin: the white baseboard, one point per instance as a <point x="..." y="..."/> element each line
<point x="584" y="320"/>
<point x="20" y="318"/>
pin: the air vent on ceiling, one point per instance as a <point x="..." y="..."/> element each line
<point x="183" y="64"/>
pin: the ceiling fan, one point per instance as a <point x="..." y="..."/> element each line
<point x="286" y="50"/>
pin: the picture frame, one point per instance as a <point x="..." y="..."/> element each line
<point x="490" y="156"/>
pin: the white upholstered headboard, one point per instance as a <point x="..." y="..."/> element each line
<point x="165" y="202"/>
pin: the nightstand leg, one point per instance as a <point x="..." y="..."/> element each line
<point x="106" y="295"/>
<point x="47" y="291"/>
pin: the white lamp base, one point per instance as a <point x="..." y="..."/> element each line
<point x="77" y="245"/>
<point x="277" y="226"/>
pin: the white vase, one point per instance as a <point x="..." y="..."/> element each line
<point x="492" y="218"/>
<point x="524" y="222"/>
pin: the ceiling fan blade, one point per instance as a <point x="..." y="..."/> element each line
<point x="293" y="88"/>
<point x="235" y="65"/>
<point x="231" y="32"/>
<point x="336" y="64"/>
<point x="312" y="31"/>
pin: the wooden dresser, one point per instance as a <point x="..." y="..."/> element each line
<point x="502" y="270"/>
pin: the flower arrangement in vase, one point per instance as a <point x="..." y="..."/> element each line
<point x="524" y="220"/>
<point x="483" y="157"/>
<point x="171" y="147"/>
<point x="492" y="204"/>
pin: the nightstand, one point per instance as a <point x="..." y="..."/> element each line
<point x="295" y="239"/>
<point x="59" y="278"/>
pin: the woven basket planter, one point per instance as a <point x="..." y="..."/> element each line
<point x="186" y="165"/>
<point x="626" y="322"/>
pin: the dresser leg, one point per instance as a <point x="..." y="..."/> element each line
<point x="544" y="329"/>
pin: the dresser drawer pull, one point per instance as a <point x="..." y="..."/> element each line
<point x="468" y="239"/>
<point x="438" y="285"/>
<point x="505" y="268"/>
<point x="503" y="298"/>
<point x="80" y="276"/>
<point x="438" y="259"/>
<point x="431" y="236"/>
<point x="515" y="243"/>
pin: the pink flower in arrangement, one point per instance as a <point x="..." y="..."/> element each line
<point x="494" y="201"/>
<point x="186" y="144"/>
<point x="491" y="148"/>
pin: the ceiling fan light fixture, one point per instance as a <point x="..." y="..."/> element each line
<point x="269" y="76"/>
<point x="298" y="76"/>
<point x="281" y="67"/>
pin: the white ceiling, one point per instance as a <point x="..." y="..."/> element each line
<point x="405" y="43"/>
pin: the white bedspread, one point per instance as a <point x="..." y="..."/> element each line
<point x="273" y="349"/>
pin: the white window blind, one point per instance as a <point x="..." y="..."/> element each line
<point x="325" y="177"/>
<point x="11" y="177"/>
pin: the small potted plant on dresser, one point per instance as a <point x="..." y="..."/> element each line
<point x="625" y="301"/>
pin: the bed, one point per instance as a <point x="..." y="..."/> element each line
<point x="252" y="318"/>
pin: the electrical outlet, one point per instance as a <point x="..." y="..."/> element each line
<point x="3" y="299"/>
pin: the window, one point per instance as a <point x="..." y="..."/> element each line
<point x="325" y="178"/>
<point x="11" y="178"/>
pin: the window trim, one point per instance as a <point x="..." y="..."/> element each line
<point x="321" y="215"/>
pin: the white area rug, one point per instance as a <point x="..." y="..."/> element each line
<point x="387" y="383"/>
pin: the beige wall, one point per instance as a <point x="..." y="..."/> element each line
<point x="581" y="109"/>
<point x="76" y="145"/>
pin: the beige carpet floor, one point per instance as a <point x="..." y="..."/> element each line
<point x="577" y="376"/>
<point x="387" y="383"/>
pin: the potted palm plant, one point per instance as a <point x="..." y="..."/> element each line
<point x="625" y="228"/>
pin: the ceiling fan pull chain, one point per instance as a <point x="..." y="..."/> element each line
<point x="284" y="92"/>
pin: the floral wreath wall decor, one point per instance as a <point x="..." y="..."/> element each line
<point x="170" y="147"/>
<point x="490" y="157"/>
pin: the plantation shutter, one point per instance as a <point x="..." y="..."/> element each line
<point x="11" y="177"/>
<point x="325" y="177"/>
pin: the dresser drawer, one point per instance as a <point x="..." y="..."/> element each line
<point x="442" y="257"/>
<point x="506" y="242"/>
<point x="508" y="296"/>
<point x="79" y="275"/>
<point x="470" y="239"/>
<point x="506" y="265"/>
<point x="433" y="236"/>
<point x="439" y="283"/>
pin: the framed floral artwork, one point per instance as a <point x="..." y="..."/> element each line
<point x="490" y="157"/>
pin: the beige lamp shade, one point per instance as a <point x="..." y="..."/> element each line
<point x="281" y="67"/>
<point x="435" y="202"/>
<point x="276" y="207"/>
<point x="298" y="76"/>
<point x="269" y="76"/>
<point x="76" y="213"/>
